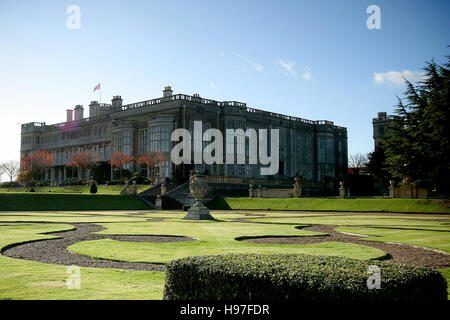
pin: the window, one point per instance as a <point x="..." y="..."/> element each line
<point x="126" y="143"/>
<point x="165" y="139"/>
<point x="322" y="150"/>
<point x="159" y="138"/>
<point x="200" y="110"/>
<point x="122" y="142"/>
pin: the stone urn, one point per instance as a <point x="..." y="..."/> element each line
<point x="391" y="188"/>
<point x="250" y="191"/>
<point x="199" y="189"/>
<point x="297" y="187"/>
<point x="341" y="189"/>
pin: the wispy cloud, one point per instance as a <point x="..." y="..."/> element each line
<point x="287" y="67"/>
<point x="396" y="78"/>
<point x="246" y="63"/>
<point x="212" y="84"/>
<point x="255" y="65"/>
<point x="307" y="74"/>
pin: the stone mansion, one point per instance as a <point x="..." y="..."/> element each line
<point x="315" y="150"/>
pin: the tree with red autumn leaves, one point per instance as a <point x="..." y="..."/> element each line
<point x="119" y="160"/>
<point x="37" y="163"/>
<point x="83" y="160"/>
<point x="152" y="158"/>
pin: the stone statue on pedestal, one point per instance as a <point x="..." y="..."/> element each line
<point x="199" y="189"/>
<point x="129" y="190"/>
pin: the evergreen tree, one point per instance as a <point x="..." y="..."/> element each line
<point x="418" y="148"/>
<point x="377" y="164"/>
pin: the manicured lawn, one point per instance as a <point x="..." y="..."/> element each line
<point x="348" y="220"/>
<point x="439" y="240"/>
<point x="446" y="274"/>
<point x="214" y="238"/>
<point x="326" y="204"/>
<point x="54" y="201"/>
<point x="22" y="279"/>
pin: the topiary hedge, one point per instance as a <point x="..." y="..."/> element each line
<point x="296" y="277"/>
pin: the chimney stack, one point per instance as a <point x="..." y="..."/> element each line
<point x="117" y="103"/>
<point x="69" y="115"/>
<point x="79" y="112"/>
<point x="94" y="109"/>
<point x="167" y="92"/>
<point x="382" y="115"/>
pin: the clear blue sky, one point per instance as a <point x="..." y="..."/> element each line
<point x="311" y="59"/>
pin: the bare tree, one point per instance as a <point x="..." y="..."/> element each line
<point x="10" y="168"/>
<point x="358" y="160"/>
<point x="2" y="169"/>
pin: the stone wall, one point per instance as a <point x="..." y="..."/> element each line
<point x="407" y="191"/>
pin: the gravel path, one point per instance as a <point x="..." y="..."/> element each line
<point x="55" y="251"/>
<point x="401" y="253"/>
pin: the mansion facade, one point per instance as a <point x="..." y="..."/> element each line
<point x="314" y="150"/>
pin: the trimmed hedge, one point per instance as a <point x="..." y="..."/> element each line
<point x="329" y="204"/>
<point x="58" y="202"/>
<point x="296" y="277"/>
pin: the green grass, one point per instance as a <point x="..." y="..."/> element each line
<point x="446" y="273"/>
<point x="426" y="238"/>
<point x="51" y="201"/>
<point x="214" y="238"/>
<point x="22" y="279"/>
<point x="348" y="220"/>
<point x="327" y="204"/>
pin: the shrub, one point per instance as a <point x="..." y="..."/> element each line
<point x="31" y="184"/>
<point x="12" y="184"/>
<point x="296" y="277"/>
<point x="138" y="178"/>
<point x="73" y="182"/>
<point x="43" y="183"/>
<point x="121" y="174"/>
<point x="93" y="188"/>
<point x="25" y="176"/>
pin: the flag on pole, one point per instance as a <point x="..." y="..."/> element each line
<point x="97" y="87"/>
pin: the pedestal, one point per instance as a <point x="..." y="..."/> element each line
<point x="158" y="203"/>
<point x="250" y="191"/>
<point x="198" y="212"/>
